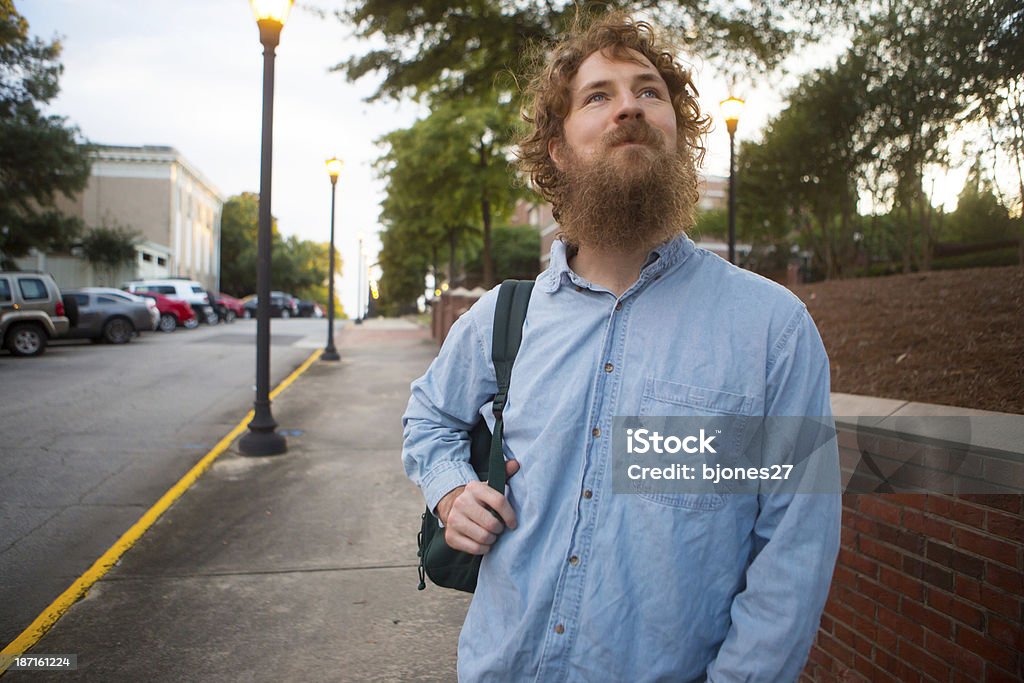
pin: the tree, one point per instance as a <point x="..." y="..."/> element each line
<point x="40" y="155"/>
<point x="516" y="254"/>
<point x="108" y="247"/>
<point x="916" y="70"/>
<point x="448" y="180"/>
<point x="979" y="217"/>
<point x="297" y="266"/>
<point x="802" y="179"/>
<point x="239" y="225"/>
<point x="462" y="47"/>
<point x="711" y="224"/>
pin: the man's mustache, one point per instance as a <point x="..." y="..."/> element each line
<point x="634" y="131"/>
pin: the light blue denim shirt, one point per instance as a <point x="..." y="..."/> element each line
<point x="598" y="586"/>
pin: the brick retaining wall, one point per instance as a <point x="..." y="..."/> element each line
<point x="928" y="587"/>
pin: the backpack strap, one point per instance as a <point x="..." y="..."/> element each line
<point x="509" y="317"/>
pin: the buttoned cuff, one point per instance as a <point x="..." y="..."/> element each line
<point x="444" y="478"/>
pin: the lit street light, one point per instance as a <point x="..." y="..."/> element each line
<point x="330" y="353"/>
<point x="731" y="109"/>
<point x="262" y="437"/>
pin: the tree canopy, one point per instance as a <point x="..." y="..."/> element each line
<point x="465" y="47"/>
<point x="874" y="122"/>
<point x="40" y="155"/>
<point x="299" y="267"/>
<point x="448" y="181"/>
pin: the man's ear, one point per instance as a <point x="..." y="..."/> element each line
<point x="555" y="151"/>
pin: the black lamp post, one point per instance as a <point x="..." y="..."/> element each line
<point x="330" y="353"/>
<point x="262" y="439"/>
<point x="731" y="110"/>
<point x="359" y="284"/>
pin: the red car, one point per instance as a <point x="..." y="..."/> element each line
<point x="172" y="312"/>
<point x="230" y="307"/>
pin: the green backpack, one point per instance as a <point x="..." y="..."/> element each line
<point x="453" y="568"/>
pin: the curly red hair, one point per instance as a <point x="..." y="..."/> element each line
<point x="548" y="93"/>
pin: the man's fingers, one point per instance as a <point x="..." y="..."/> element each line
<point x="456" y="541"/>
<point x="499" y="503"/>
<point x="511" y="467"/>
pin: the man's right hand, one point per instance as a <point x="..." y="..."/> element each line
<point x="469" y="524"/>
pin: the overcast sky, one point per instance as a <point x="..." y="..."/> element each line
<point x="188" y="74"/>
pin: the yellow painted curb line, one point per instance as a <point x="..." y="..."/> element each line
<point x="45" y="621"/>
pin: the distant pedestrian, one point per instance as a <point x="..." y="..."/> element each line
<point x="579" y="582"/>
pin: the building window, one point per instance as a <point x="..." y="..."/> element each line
<point x="147" y="257"/>
<point x="161" y="261"/>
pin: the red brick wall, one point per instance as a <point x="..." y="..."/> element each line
<point x="928" y="587"/>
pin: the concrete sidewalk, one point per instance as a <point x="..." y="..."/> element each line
<point x="296" y="567"/>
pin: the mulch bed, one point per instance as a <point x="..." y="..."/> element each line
<point x="952" y="337"/>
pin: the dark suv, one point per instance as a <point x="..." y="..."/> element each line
<point x="282" y="305"/>
<point x="32" y="311"/>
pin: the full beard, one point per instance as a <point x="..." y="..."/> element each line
<point x="627" y="197"/>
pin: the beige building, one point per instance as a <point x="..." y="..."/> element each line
<point x="155" y="191"/>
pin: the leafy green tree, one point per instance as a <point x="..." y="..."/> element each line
<point x="802" y="179"/>
<point x="516" y="255"/>
<point x="711" y="224"/>
<point x="462" y="47"/>
<point x="40" y="155"/>
<point x="297" y="266"/>
<point x="239" y="225"/>
<point x="448" y="180"/>
<point x="979" y="217"/>
<point x="109" y="247"/>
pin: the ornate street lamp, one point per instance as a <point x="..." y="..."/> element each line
<point x="731" y="109"/>
<point x="262" y="439"/>
<point x="330" y="353"/>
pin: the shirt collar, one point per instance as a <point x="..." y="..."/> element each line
<point x="658" y="261"/>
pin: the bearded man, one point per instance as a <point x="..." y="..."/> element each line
<point x="582" y="582"/>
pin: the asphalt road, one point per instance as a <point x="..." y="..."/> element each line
<point x="92" y="435"/>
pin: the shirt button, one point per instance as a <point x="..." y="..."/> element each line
<point x="559" y="629"/>
<point x="588" y="494"/>
<point x="596" y="431"/>
<point x="578" y="288"/>
<point x="608" y="367"/>
<point x="618" y="305"/>
<point x="574" y="560"/>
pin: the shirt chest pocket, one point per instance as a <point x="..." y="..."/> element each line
<point x="670" y="407"/>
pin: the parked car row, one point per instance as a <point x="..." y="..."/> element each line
<point x="283" y="305"/>
<point x="33" y="310"/>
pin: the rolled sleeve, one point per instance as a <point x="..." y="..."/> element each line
<point x="445" y="404"/>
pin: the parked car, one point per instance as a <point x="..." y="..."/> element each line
<point x="32" y="311"/>
<point x="310" y="309"/>
<point x="282" y="305"/>
<point x="154" y="312"/>
<point x="234" y="308"/>
<point x="180" y="289"/>
<point x="173" y="312"/>
<point x="103" y="317"/>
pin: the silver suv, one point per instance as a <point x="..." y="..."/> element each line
<point x="32" y="312"/>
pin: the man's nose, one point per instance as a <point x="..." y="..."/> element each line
<point x="630" y="110"/>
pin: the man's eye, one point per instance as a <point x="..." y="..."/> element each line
<point x="649" y="92"/>
<point x="594" y="98"/>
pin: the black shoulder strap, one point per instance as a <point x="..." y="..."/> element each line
<point x="509" y="316"/>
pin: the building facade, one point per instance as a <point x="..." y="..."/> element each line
<point x="156" y="192"/>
